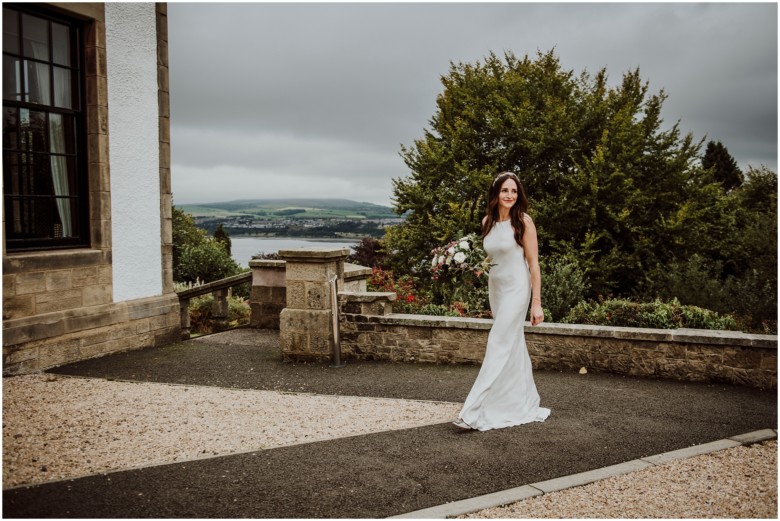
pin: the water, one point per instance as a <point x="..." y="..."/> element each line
<point x="243" y="248"/>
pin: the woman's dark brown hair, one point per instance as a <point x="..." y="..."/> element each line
<point x="515" y="213"/>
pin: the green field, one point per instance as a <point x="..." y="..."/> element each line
<point x="291" y="209"/>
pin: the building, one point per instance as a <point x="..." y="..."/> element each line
<point x="87" y="253"/>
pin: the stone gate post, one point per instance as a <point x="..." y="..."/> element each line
<point x="306" y="325"/>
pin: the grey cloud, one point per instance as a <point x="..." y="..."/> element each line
<point x="335" y="89"/>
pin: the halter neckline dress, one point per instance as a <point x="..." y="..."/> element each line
<point x="504" y="393"/>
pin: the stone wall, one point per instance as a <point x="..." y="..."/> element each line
<point x="48" y="340"/>
<point x="369" y="330"/>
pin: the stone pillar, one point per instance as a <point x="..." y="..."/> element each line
<point x="306" y="324"/>
<point x="269" y="295"/>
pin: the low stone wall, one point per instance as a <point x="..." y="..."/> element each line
<point x="369" y="330"/>
<point x="51" y="339"/>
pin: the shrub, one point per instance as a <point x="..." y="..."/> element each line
<point x="368" y="252"/>
<point x="207" y="261"/>
<point x="563" y="285"/>
<point x="202" y="319"/>
<point x="751" y="297"/>
<point x="656" y="314"/>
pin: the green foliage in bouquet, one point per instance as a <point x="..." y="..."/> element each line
<point x="459" y="270"/>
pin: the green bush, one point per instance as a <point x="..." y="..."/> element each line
<point x="202" y="319"/>
<point x="656" y="314"/>
<point x="437" y="310"/>
<point x="207" y="262"/>
<point x="563" y="285"/>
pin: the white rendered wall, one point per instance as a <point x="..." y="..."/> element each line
<point x="134" y="149"/>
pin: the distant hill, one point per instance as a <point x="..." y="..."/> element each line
<point x="291" y="208"/>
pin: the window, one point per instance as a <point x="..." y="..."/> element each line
<point x="44" y="170"/>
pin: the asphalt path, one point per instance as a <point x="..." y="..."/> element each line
<point x="597" y="420"/>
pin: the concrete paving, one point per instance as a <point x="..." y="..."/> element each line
<point x="601" y="424"/>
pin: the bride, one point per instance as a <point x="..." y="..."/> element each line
<point x="504" y="393"/>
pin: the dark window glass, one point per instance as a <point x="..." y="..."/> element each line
<point x="35" y="37"/>
<point x="12" y="78"/>
<point x="44" y="171"/>
<point x="10" y="31"/>
<point x="60" y="44"/>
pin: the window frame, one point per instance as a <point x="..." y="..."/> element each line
<point x="78" y="155"/>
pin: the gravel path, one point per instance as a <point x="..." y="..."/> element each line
<point x="61" y="427"/>
<point x="734" y="483"/>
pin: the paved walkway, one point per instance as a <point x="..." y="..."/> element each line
<point x="598" y="421"/>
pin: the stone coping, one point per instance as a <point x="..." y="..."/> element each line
<point x="369" y="296"/>
<point x="694" y="336"/>
<point x="351" y="271"/>
<point x="356" y="271"/>
<point x="313" y="254"/>
<point x="268" y="263"/>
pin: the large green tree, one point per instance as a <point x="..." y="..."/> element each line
<point x="602" y="174"/>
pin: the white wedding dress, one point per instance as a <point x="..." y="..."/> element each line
<point x="504" y="393"/>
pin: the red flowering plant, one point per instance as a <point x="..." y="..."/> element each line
<point x="460" y="270"/>
<point x="408" y="298"/>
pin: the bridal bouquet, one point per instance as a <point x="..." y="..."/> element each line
<point x="459" y="269"/>
<point x="462" y="256"/>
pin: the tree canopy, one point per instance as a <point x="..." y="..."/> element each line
<point x="611" y="188"/>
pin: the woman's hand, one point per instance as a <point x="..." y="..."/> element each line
<point x="537" y="314"/>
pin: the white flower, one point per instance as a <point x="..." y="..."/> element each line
<point x="464" y="245"/>
<point x="435" y="260"/>
<point x="460" y="257"/>
<point x="451" y="250"/>
<point x="442" y="259"/>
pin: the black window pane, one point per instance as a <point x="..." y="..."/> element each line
<point x="35" y="33"/>
<point x="10" y="31"/>
<point x="70" y="134"/>
<point x="33" y="127"/>
<point x="43" y="184"/>
<point x="12" y="78"/>
<point x="62" y="88"/>
<point x="10" y="128"/>
<point x="60" y="35"/>
<point x="37" y="83"/>
<point x="73" y="181"/>
<point x="11" y="178"/>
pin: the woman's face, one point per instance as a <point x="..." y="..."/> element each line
<point x="508" y="194"/>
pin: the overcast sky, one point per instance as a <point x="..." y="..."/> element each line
<point x="314" y="100"/>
